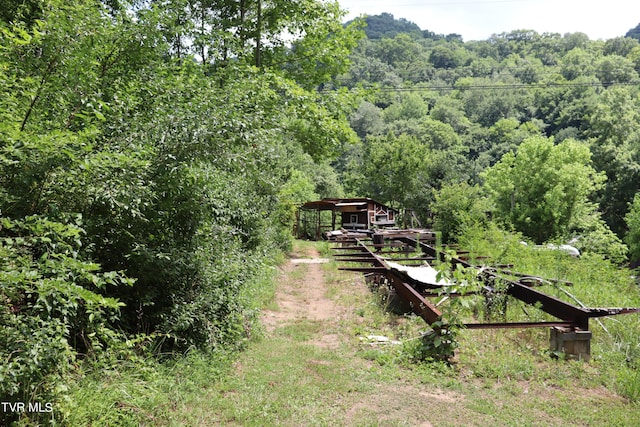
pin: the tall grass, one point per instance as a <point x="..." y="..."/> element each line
<point x="590" y="281"/>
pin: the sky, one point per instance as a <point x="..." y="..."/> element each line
<point x="479" y="19"/>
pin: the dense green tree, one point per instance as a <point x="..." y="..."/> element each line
<point x="367" y="120"/>
<point x="572" y="41"/>
<point x="634" y="56"/>
<point x="407" y="106"/>
<point x="457" y="207"/>
<point x="142" y="144"/>
<point x="503" y="137"/>
<point x="620" y="46"/>
<point x="392" y="169"/>
<point x="577" y="63"/>
<point x="446" y="56"/>
<point x="543" y="189"/>
<point x="368" y="71"/>
<point x="632" y="238"/>
<point x="566" y="105"/>
<point x="450" y="110"/>
<point x="615" y="69"/>
<point x="398" y="51"/>
<point x="615" y="142"/>
<point x="498" y="92"/>
<point x="487" y="101"/>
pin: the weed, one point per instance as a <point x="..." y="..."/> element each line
<point x="628" y="383"/>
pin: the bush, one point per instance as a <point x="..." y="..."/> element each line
<point x="456" y="207"/>
<point x="51" y="312"/>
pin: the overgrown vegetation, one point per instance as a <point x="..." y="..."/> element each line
<point x="152" y="155"/>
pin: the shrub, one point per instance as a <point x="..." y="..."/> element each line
<point x="50" y="310"/>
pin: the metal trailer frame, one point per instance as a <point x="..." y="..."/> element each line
<point x="572" y="321"/>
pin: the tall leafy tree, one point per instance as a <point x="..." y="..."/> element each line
<point x="392" y="169"/>
<point x="543" y="188"/>
<point x="634" y="32"/>
<point x="615" y="143"/>
<point x="632" y="238"/>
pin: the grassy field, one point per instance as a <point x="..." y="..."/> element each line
<point x="317" y="363"/>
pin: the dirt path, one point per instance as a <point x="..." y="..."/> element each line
<point x="303" y="295"/>
<point x="307" y="293"/>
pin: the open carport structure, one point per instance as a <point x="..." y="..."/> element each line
<point x="316" y="218"/>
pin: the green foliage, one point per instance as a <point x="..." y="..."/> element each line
<point x="392" y="168"/>
<point x="634" y="33"/>
<point x="385" y="25"/>
<point x="615" y="143"/>
<point x="132" y="146"/>
<point x="457" y="207"/>
<point x="52" y="311"/>
<point x="542" y="189"/>
<point x="593" y="235"/>
<point x="633" y="223"/>
<point x="619" y="46"/>
<point x="495" y="94"/>
<point x="323" y="52"/>
<point x="439" y="344"/>
<point x="295" y="192"/>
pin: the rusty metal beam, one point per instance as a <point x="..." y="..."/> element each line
<point x="560" y="309"/>
<point x="362" y="260"/>
<point x="414" y="292"/>
<point x="349" y="254"/>
<point x="603" y="312"/>
<point x="512" y="325"/>
<point x="419" y="305"/>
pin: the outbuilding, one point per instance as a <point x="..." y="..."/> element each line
<point x="316" y="218"/>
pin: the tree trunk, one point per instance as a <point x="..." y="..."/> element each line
<point x="259" y="35"/>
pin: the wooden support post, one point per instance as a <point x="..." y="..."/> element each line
<point x="574" y="343"/>
<point x="333" y="219"/>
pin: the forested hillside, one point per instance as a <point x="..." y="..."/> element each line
<point x="151" y="156"/>
<point x="540" y="131"/>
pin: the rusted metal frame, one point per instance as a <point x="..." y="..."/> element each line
<point x="604" y="312"/>
<point x="340" y="257"/>
<point x="551" y="305"/>
<point x="513" y="325"/>
<point x="526" y="276"/>
<point x="348" y="254"/>
<point x="577" y="316"/>
<point x="360" y="260"/>
<point x="419" y="305"/>
<point x="347" y="248"/>
<point x="431" y="294"/>
<point x="364" y="269"/>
